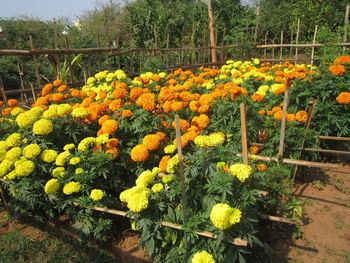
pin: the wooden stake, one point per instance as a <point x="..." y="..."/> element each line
<point x="346" y="23"/>
<point x="244" y="133"/>
<point x="281" y="48"/>
<point x="36" y="65"/>
<point x="85" y="77"/>
<point x="212" y="33"/>
<point x="265" y="42"/>
<point x="334" y="138"/>
<point x="257" y="23"/>
<point x="273" y="49"/>
<point x="3" y="198"/>
<point x="297" y="39"/>
<point x="99" y="57"/>
<point x="313" y="48"/>
<point x="182" y="176"/>
<point x="2" y="87"/>
<point x="281" y="219"/>
<point x="33" y="92"/>
<point x="55" y="38"/>
<point x="20" y="73"/>
<point x="283" y="124"/>
<point x="291" y="41"/>
<point x="69" y="62"/>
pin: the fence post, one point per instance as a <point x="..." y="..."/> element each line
<point x="66" y="41"/>
<point x="2" y="88"/>
<point x="346" y="23"/>
<point x="55" y="38"/>
<point x="244" y="133"/>
<point x="281" y="49"/>
<point x="313" y="48"/>
<point x="212" y="33"/>
<point x="35" y="61"/>
<point x="297" y="40"/>
<point x="20" y="74"/>
<point x="283" y="124"/>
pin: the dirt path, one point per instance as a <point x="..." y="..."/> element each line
<point x="326" y="236"/>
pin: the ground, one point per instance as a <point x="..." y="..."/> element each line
<point x="324" y="238"/>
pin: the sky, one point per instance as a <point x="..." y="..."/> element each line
<point x="47" y="9"/>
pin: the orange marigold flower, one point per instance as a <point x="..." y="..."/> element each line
<point x="102" y="94"/>
<point x="74" y="92"/>
<point x="201" y="121"/>
<point x="119" y="93"/>
<point x="177" y="105"/>
<point x="161" y="136"/>
<point x="337" y="69"/>
<point x="206" y="99"/>
<point x="184" y="141"/>
<point x="342" y="59"/>
<point x="343" y="98"/>
<point x="1" y="104"/>
<point x="165" y="124"/>
<point x="244" y="91"/>
<point x="166" y="94"/>
<point x="164" y="162"/>
<point x="113" y="142"/>
<point x="151" y="141"/>
<point x="257" y="97"/>
<point x="96" y="148"/>
<point x="135" y="93"/>
<point x="279" y="79"/>
<point x="12" y="102"/>
<point x="194" y="105"/>
<point x="281" y="90"/>
<point x="254" y="149"/>
<point x="42" y="100"/>
<point x="46" y="89"/>
<point x="102" y="119"/>
<point x="301" y="116"/>
<point x="109" y="126"/>
<point x="190" y="135"/>
<point x="185" y="96"/>
<point x="147" y="101"/>
<point x="6" y="111"/>
<point x="139" y="153"/>
<point x="126" y="113"/>
<point x="203" y="108"/>
<point x="86" y="102"/>
<point x="278" y="115"/>
<point x="167" y="106"/>
<point x="184" y="125"/>
<point x="115" y="105"/>
<point x="261" y="167"/>
<point x="44" y="107"/>
<point x="57" y="97"/>
<point x="275" y="109"/>
<point x="290" y="117"/>
<point x="92" y="94"/>
<point x="62" y="88"/>
<point x="116" y="84"/>
<point x="57" y="82"/>
<point x="113" y="152"/>
<point x="262" y="112"/>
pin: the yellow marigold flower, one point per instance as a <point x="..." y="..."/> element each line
<point x="79" y="171"/>
<point x="96" y="194"/>
<point x="145" y="178"/>
<point x="58" y="172"/>
<point x="51" y="186"/>
<point x="172" y="164"/>
<point x="134" y="226"/>
<point x="137" y="203"/>
<point x="86" y="143"/>
<point x="50" y="114"/>
<point x="62" y="158"/>
<point x="5" y="167"/>
<point x="253" y="157"/>
<point x="31" y="151"/>
<point x="48" y="156"/>
<point x="170" y="148"/>
<point x="68" y="147"/>
<point x="16" y="111"/>
<point x="90" y="80"/>
<point x="157" y="188"/>
<point x="71" y="187"/>
<point x="10" y="176"/>
<point x="26" y="168"/>
<point x="74" y="161"/>
<point x="13" y="140"/>
<point x="3" y="146"/>
<point x="63" y="109"/>
<point x="139" y="153"/>
<point x="126" y="194"/>
<point x="102" y="139"/>
<point x="156" y="170"/>
<point x="203" y="257"/>
<point x="2" y="155"/>
<point x="27" y="118"/>
<point x="79" y="112"/>
<point x="14" y="154"/>
<point x="224" y="217"/>
<point x="42" y="127"/>
<point x="241" y="171"/>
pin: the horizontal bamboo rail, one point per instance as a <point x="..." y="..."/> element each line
<point x="116" y="51"/>
<point x="235" y="241"/>
<point x="333" y="138"/>
<point x="324" y="151"/>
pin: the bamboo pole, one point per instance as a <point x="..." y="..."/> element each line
<point x="33" y="92"/>
<point x="281" y="48"/>
<point x="235" y="241"/>
<point x="291" y="41"/>
<point x="346" y="23"/>
<point x="283" y="124"/>
<point x="273" y="48"/>
<point x="38" y="79"/>
<point x="69" y="61"/>
<point x="20" y="73"/>
<point x="313" y="48"/>
<point x="212" y="33"/>
<point x="333" y="138"/>
<point x="324" y="150"/>
<point x="265" y="42"/>
<point x="281" y="219"/>
<point x="2" y="88"/>
<point x="55" y="38"/>
<point x="297" y="39"/>
<point x="2" y="193"/>
<point x="99" y="57"/>
<point x="244" y="133"/>
<point x="257" y="23"/>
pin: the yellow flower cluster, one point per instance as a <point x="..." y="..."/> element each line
<point x="86" y="143"/>
<point x="62" y="158"/>
<point x="49" y="156"/>
<point x="74" y="161"/>
<point x="26" y="168"/>
<point x="68" y="147"/>
<point x="170" y="148"/>
<point x="42" y="127"/>
<point x="167" y="178"/>
<point x="157" y="188"/>
<point x="51" y="186"/>
<point x="241" y="171"/>
<point x="71" y="187"/>
<point x="13" y="140"/>
<point x="63" y="109"/>
<point x="203" y="257"/>
<point x="145" y="178"/>
<point x="172" y="164"/>
<point x="51" y="112"/>
<point x="58" y="172"/>
<point x="96" y="194"/>
<point x="14" y="154"/>
<point x="27" y="118"/>
<point x="224" y="217"/>
<point x="209" y="140"/>
<point x="136" y="198"/>
<point x="5" y="167"/>
<point x="79" y="112"/>
<point x="31" y="151"/>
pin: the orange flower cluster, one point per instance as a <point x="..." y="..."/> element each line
<point x="343" y="98"/>
<point x="337" y="70"/>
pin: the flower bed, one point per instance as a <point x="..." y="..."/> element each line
<point x="112" y="143"/>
